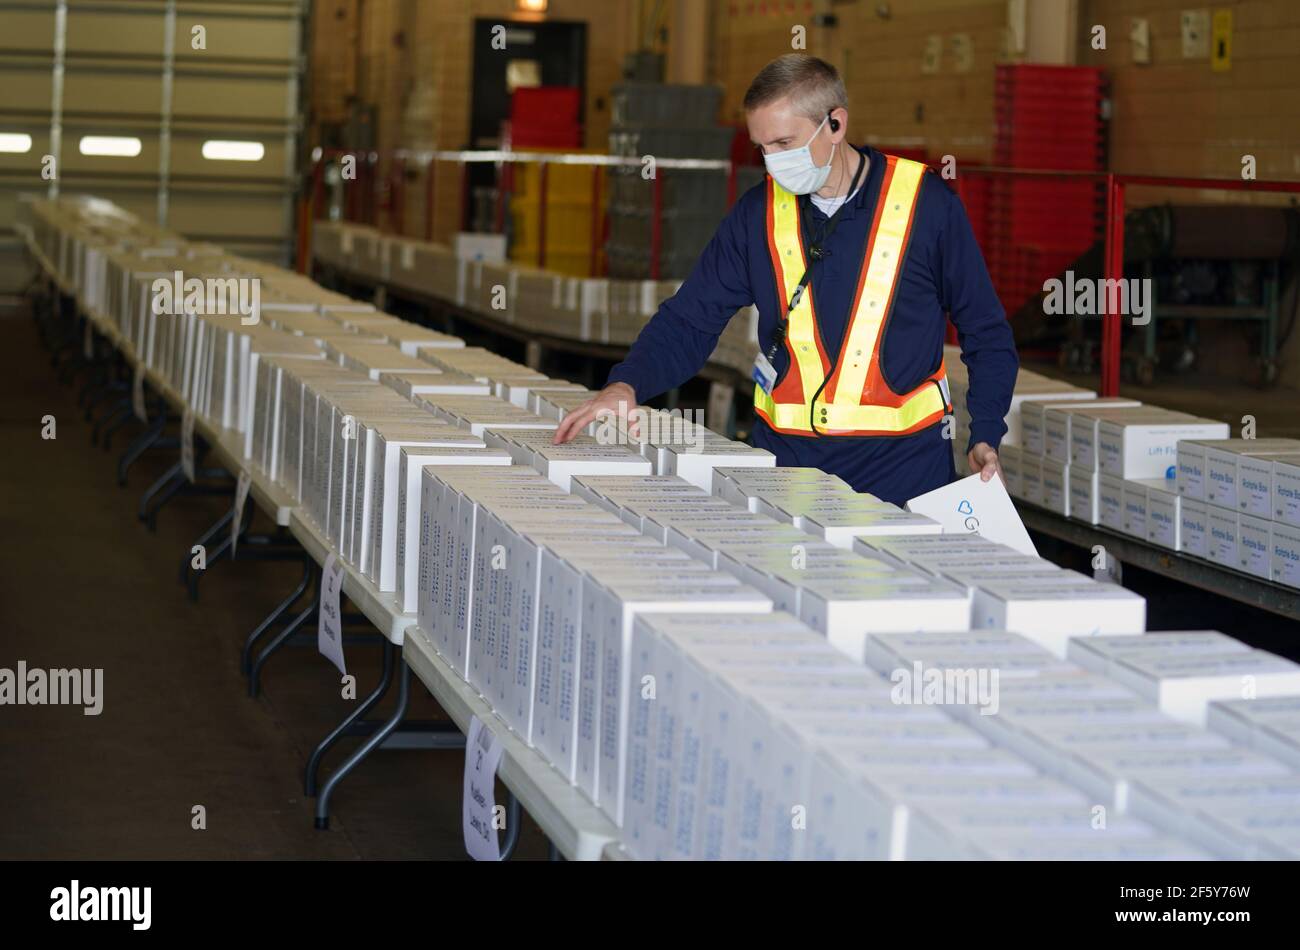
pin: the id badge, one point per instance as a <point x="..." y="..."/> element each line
<point x="764" y="373"/>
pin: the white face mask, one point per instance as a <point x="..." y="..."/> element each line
<point x="795" y="170"/>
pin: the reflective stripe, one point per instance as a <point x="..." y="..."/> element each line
<point x="801" y="333"/>
<point x="924" y="407"/>
<point x="877" y="286"/>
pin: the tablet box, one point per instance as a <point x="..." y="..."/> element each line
<point x="1183" y="685"/>
<point x="1082" y="444"/>
<point x="1010" y="458"/>
<point x="1134" y="498"/>
<point x="847" y="611"/>
<point x="1286" y="491"/>
<point x="973" y="506"/>
<point x="609" y="611"/>
<point x="1148" y="448"/>
<point x="1223" y="459"/>
<point x="1051" y="614"/>
<point x="1255" y="480"/>
<point x="841" y="530"/>
<point x="1194" y="537"/>
<point x="1221" y="536"/>
<point x="1110" y="502"/>
<point x="1031" y="479"/>
<point x="1055" y="486"/>
<point x="1286" y="554"/>
<point x="1058" y="426"/>
<point x="1255" y="545"/>
<point x="1163" y="512"/>
<point x="1031" y="420"/>
<point x="1083" y="495"/>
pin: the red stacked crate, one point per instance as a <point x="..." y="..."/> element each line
<point x="1048" y="118"/>
<point x="546" y="117"/>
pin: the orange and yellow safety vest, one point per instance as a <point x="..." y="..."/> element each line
<point x="854" y="398"/>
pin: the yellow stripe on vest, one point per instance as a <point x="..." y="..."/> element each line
<point x="785" y="224"/>
<point x="878" y="286"/>
<point x="835" y="417"/>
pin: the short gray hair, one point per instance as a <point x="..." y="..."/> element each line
<point x="813" y="86"/>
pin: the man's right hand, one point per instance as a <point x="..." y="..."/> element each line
<point x="617" y="398"/>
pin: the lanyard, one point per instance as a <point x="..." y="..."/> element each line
<point x="817" y="252"/>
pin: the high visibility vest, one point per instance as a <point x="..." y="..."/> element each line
<point x="854" y="398"/>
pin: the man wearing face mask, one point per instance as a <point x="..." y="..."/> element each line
<point x="853" y="258"/>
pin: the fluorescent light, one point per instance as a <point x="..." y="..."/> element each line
<point x="217" y="150"/>
<point x="15" y="142"/>
<point x="117" y="146"/>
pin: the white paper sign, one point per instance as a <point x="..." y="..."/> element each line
<point x="329" y="628"/>
<point x="482" y="756"/>
<point x="137" y="394"/>
<point x="974" y="506"/>
<point x="88" y="342"/>
<point x="241" y="497"/>
<point x="187" y="443"/>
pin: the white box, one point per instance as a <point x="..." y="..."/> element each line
<point x="1134" y="499"/>
<point x="1083" y="495"/>
<point x="1255" y="481"/>
<point x="1055" y="486"/>
<point x="1050" y="615"/>
<point x="974" y="506"/>
<point x="1031" y="479"/>
<point x="1195" y="531"/>
<point x="1110" y="502"/>
<point x="1255" y="545"/>
<point x="1286" y="491"/>
<point x="475" y="246"/>
<point x="1286" y="554"/>
<point x="1164" y="524"/>
<point x="1148" y="449"/>
<point x="1221" y="537"/>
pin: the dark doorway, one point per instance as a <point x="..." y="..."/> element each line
<point x="539" y="54"/>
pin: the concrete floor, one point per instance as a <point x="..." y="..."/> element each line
<point x="83" y="584"/>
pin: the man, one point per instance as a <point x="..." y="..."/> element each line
<point x="852" y="258"/>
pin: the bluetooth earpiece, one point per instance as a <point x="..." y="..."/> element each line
<point x="835" y="123"/>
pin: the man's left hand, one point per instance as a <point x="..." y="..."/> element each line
<point x="983" y="458"/>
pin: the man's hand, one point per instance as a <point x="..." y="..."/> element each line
<point x="616" y="398"/>
<point x="983" y="458"/>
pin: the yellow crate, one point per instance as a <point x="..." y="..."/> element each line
<point x="568" y="223"/>
<point x="570" y="261"/>
<point x="563" y="182"/>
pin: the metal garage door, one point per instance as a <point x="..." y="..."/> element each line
<point x="182" y="111"/>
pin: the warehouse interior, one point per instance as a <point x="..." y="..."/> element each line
<point x="268" y="534"/>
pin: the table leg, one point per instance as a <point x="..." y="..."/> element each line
<point x="246" y="655"/>
<point x="318" y="753"/>
<point x="362" y="751"/>
<point x="255" y="672"/>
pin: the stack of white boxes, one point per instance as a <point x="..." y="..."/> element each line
<point x="1240" y="504"/>
<point x="694" y="647"/>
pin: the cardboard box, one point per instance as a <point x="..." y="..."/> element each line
<point x="1133" y="497"/>
<point x="1286" y="554"/>
<point x="1195" y="532"/>
<point x="1164" y="521"/>
<point x="1148" y="448"/>
<point x="1286" y="491"/>
<point x="974" y="506"/>
<point x="1221" y="537"/>
<point x="1055" y="486"/>
<point x="1110" y="502"/>
<point x="1255" y="481"/>
<point x="1050" y="614"/>
<point x="1255" y="545"/>
<point x="1083" y="495"/>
